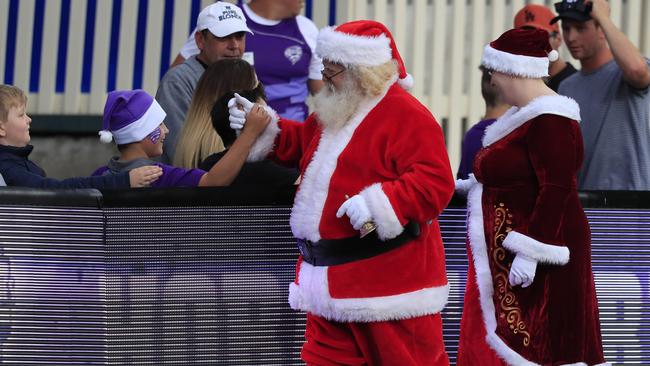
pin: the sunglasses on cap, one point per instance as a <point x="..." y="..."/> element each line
<point x="577" y="5"/>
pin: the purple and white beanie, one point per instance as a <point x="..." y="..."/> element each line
<point x="130" y="116"/>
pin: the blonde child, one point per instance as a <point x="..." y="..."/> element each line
<point x="18" y="170"/>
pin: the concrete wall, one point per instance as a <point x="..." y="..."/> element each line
<point x="63" y="156"/>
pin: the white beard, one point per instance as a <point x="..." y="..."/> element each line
<point x="333" y="107"/>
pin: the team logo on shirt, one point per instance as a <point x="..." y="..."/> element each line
<point x="293" y="54"/>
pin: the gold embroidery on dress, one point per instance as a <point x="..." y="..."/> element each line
<point x="509" y="306"/>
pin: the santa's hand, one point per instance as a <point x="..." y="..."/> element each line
<point x="357" y="210"/>
<point x="238" y="107"/>
<point x="522" y="271"/>
<point x="464" y="185"/>
<point x="237" y="116"/>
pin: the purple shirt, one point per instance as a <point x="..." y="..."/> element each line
<point x="281" y="58"/>
<point x="171" y="177"/>
<point x="472" y="143"/>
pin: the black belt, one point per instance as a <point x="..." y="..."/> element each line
<point x="330" y="252"/>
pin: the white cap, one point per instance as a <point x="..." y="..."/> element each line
<point x="222" y="19"/>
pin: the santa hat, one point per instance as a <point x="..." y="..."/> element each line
<point x="364" y="43"/>
<point x="520" y="52"/>
<point x="129" y="116"/>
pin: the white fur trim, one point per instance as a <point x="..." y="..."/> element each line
<point x="407" y="82"/>
<point x="265" y="142"/>
<point x="312" y="295"/>
<point x="348" y="49"/>
<point x="506" y="353"/>
<point x="136" y="131"/>
<point x="511" y="64"/>
<point x="383" y="214"/>
<point x="478" y="244"/>
<point x="553" y="56"/>
<point x="515" y="117"/>
<point x="105" y="137"/>
<point x="310" y="199"/>
<point x="534" y="249"/>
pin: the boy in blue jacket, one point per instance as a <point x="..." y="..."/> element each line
<point x="18" y="170"/>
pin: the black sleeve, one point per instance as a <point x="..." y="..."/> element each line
<point x="267" y="173"/>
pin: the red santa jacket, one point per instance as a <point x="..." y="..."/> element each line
<point x="392" y="152"/>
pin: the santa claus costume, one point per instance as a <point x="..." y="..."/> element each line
<point x="381" y="307"/>
<point x="524" y="212"/>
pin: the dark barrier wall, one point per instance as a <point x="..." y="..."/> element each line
<point x="200" y="276"/>
<point x="52" y="302"/>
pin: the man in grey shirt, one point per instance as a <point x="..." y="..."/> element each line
<point x="220" y="33"/>
<point x="612" y="89"/>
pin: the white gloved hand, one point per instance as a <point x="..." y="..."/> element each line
<point x="522" y="271"/>
<point x="237" y="116"/>
<point x="464" y="185"/>
<point x="357" y="210"/>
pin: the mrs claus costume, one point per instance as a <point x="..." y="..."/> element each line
<point x="523" y="203"/>
<point x="391" y="153"/>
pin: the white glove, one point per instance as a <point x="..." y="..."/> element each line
<point x="237" y="116"/>
<point x="522" y="271"/>
<point x="357" y="210"/>
<point x="464" y="185"/>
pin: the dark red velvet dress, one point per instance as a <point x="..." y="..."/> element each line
<point x="527" y="194"/>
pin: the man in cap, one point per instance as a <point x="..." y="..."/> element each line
<point x="220" y="33"/>
<point x="612" y="89"/>
<point x="539" y="16"/>
<point x="372" y="159"/>
<point x="282" y="50"/>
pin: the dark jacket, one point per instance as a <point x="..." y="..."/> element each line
<point x="263" y="172"/>
<point x="18" y="170"/>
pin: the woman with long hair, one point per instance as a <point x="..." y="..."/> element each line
<point x="198" y="138"/>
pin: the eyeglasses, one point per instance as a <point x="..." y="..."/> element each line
<point x="331" y="76"/>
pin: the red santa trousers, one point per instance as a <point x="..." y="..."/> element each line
<point x="415" y="341"/>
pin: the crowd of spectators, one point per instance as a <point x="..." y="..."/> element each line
<point x="611" y="86"/>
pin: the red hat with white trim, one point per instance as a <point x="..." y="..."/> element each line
<point x="520" y="52"/>
<point x="364" y="43"/>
